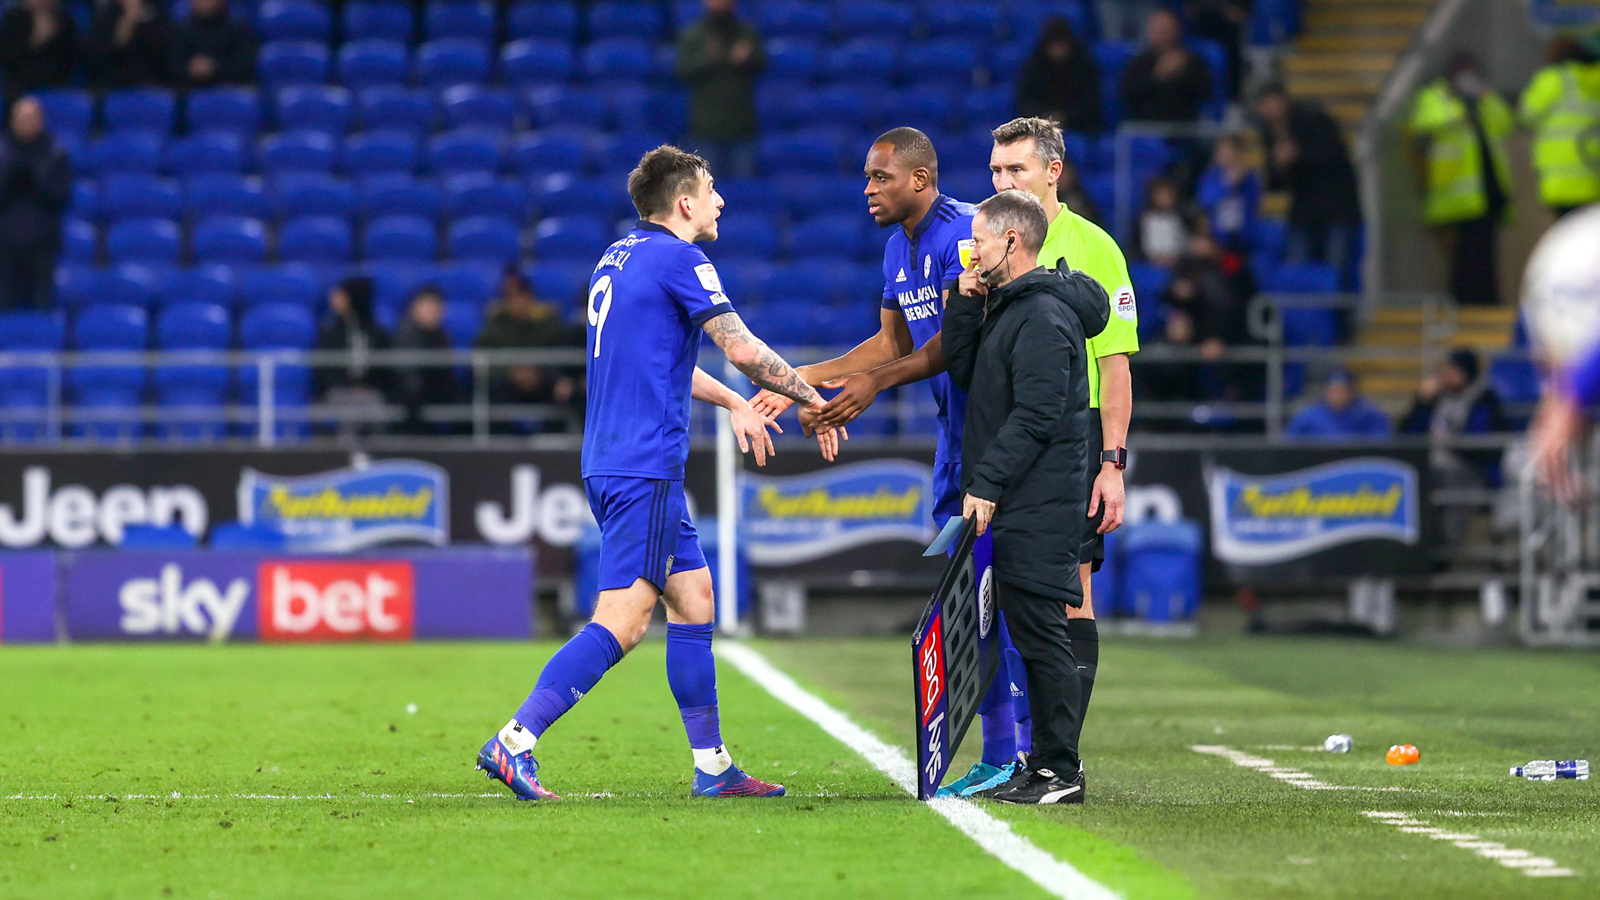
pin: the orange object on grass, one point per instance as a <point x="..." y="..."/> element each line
<point x="1402" y="755"/>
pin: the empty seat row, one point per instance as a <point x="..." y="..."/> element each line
<point x="448" y="61"/>
<point x="314" y="193"/>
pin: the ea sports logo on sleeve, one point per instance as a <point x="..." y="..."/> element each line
<point x="336" y="601"/>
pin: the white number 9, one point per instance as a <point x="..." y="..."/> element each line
<point x="599" y="311"/>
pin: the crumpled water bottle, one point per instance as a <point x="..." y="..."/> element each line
<point x="1551" y="769"/>
<point x="1338" y="743"/>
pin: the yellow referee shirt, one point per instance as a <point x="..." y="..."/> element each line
<point x="1083" y="245"/>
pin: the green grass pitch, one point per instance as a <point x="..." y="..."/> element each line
<point x="260" y="771"/>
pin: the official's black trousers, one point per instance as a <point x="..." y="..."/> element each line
<point x="1038" y="627"/>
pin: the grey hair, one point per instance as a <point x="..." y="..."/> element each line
<point x="1047" y="142"/>
<point x="1017" y="211"/>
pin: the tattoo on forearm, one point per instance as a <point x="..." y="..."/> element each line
<point x="756" y="360"/>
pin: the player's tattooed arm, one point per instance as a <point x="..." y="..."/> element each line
<point x="750" y="355"/>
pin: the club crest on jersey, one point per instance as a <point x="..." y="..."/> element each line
<point x="927" y="266"/>
<point x="901" y="276"/>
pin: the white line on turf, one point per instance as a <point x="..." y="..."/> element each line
<point x="1284" y="773"/>
<point x="1054" y="875"/>
<point x="1510" y="857"/>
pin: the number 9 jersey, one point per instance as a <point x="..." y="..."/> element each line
<point x="648" y="298"/>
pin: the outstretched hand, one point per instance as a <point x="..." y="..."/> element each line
<point x="750" y="429"/>
<point x="1557" y="425"/>
<point x="828" y="436"/>
<point x="770" y="404"/>
<point x="856" y="393"/>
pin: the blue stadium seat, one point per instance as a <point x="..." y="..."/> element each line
<point x="448" y="61"/>
<point x="462" y="322"/>
<point x="1010" y="56"/>
<point x="617" y="20"/>
<point x="538" y="153"/>
<point x="534" y="61"/>
<point x="1271" y="238"/>
<point x="557" y="21"/>
<point x="25" y="391"/>
<point x="618" y="59"/>
<point x="1304" y="278"/>
<point x="391" y="107"/>
<point x="126" y="151"/>
<point x="754" y="195"/>
<point x="667" y="111"/>
<point x="318" y="239"/>
<point x="470" y="282"/>
<point x="1161" y="569"/>
<point x="482" y="194"/>
<point x="475" y="106"/>
<point x="67" y="110"/>
<point x="560" y="281"/>
<point x="229" y="239"/>
<point x="192" y="399"/>
<point x="566" y="194"/>
<point x="466" y="150"/>
<point x="277" y="326"/>
<point x="371" y="62"/>
<point x="294" y="284"/>
<point x="388" y="20"/>
<point x="209" y="284"/>
<point x="225" y="194"/>
<point x="1310" y="326"/>
<point x="1514" y="378"/>
<point x="1149" y="280"/>
<point x="818" y="150"/>
<point x="872" y="17"/>
<point x="794" y="19"/>
<point x="968" y="185"/>
<point x="854" y="104"/>
<point x="396" y="281"/>
<point x="571" y="236"/>
<point x="294" y="20"/>
<point x="490" y="238"/>
<point x="316" y="107"/>
<point x="312" y="194"/>
<point x="292" y="62"/>
<point x="193" y="326"/>
<point x="1027" y="17"/>
<point x="139" y="109"/>
<point x="126" y="285"/>
<point x="380" y="151"/>
<point x="399" y="195"/>
<point x="743" y="278"/>
<point x="32" y="331"/>
<point x="111" y="327"/>
<point x="808" y="195"/>
<point x="991" y="104"/>
<point x="207" y="151"/>
<point x="784" y="104"/>
<point x="146" y="239"/>
<point x="1274" y="21"/>
<point x="563" y="107"/>
<point x="85" y="200"/>
<point x="400" y="237"/>
<point x="1216" y="60"/>
<point x="298" y="151"/>
<point x="926" y="106"/>
<point x="827" y="233"/>
<point x="862" y="58"/>
<point x="223" y="109"/>
<point x="747" y="234"/>
<point x="80" y="242"/>
<point x="946" y="60"/>
<point x="621" y="151"/>
<point x="468" y="19"/>
<point x="961" y="18"/>
<point x="128" y="196"/>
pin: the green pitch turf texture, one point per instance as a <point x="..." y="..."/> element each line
<point x="133" y="764"/>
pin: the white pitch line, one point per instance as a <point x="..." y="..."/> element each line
<point x="1284" y="774"/>
<point x="1054" y="875"/>
<point x="1510" y="857"/>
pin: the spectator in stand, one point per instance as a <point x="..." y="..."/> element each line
<point x="1120" y="19"/>
<point x="1166" y="82"/>
<point x="1449" y="404"/>
<point x="1223" y="21"/>
<point x="211" y="47"/>
<point x="1215" y="300"/>
<point x="519" y="321"/>
<point x="1060" y="81"/>
<point x="356" y="384"/>
<point x="35" y="185"/>
<point x="719" y="57"/>
<point x="1562" y="104"/>
<point x="417" y="385"/>
<point x="1343" y="413"/>
<point x="1163" y="232"/>
<point x="38" y="46"/>
<point x="1230" y="194"/>
<point x="1171" y="381"/>
<point x="129" y="44"/>
<point x="1306" y="155"/>
<point x="1069" y="190"/>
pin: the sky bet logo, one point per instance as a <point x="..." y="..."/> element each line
<point x="167" y="605"/>
<point x="336" y="601"/>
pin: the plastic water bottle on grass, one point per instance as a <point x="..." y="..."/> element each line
<point x="1551" y="769"/>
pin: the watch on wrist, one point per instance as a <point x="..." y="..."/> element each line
<point x="1117" y="457"/>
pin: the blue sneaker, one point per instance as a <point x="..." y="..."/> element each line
<point x="978" y="774"/>
<point x="520" y="772"/>
<point x="1000" y="776"/>
<point x="733" y="783"/>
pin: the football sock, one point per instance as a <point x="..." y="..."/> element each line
<point x="1085" y="636"/>
<point x="572" y="672"/>
<point x="999" y="719"/>
<point x="1019" y="699"/>
<point x="692" y="675"/>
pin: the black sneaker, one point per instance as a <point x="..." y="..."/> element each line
<point x="1038" y="787"/>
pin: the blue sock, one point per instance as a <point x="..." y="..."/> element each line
<point x="1018" y="675"/>
<point x="692" y="675"/>
<point x="999" y="724"/>
<point x="572" y="672"/>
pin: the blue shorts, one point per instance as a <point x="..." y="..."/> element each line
<point x="946" y="492"/>
<point x="645" y="531"/>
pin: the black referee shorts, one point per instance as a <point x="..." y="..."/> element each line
<point x="1093" y="550"/>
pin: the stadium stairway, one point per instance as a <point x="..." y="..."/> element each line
<point x="1347" y="48"/>
<point x="1391" y="381"/>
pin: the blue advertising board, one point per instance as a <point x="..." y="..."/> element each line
<point x="793" y="519"/>
<point x="27" y="598"/>
<point x="1259" y="520"/>
<point x="350" y="509"/>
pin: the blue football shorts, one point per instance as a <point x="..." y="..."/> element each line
<point x="645" y="531"/>
<point x="946" y="492"/>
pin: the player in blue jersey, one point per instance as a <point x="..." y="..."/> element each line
<point x="921" y="264"/>
<point x="650" y="297"/>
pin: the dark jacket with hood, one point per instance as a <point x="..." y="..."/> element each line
<point x="35" y="185"/>
<point x="356" y="332"/>
<point x="1020" y="357"/>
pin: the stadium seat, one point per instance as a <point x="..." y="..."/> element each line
<point x="818" y="150"/>
<point x="371" y="62"/>
<point x="482" y="194"/>
<point x="448" y="61"/>
<point x="126" y="196"/>
<point x="743" y="278"/>
<point x="80" y="241"/>
<point x="632" y="20"/>
<point x="139" y="109"/>
<point x="667" y="111"/>
<point x="490" y="238"/>
<point x="399" y="195"/>
<point x="229" y="239"/>
<point x="111" y="327"/>
<point x="561" y="281"/>
<point x="465" y="150"/>
<point x="298" y="151"/>
<point x="805" y="19"/>
<point x="946" y="60"/>
<point x="807" y="195"/>
<point x="475" y="106"/>
<point x="193" y="326"/>
<point x="277" y="326"/>
<point x="533" y="61"/>
<point x="538" y="153"/>
<point x="125" y="285"/>
<point x="1310" y="326"/>
<point x="564" y="107"/>
<point x="618" y="59"/>
<point x="380" y="151"/>
<point x="295" y="284"/>
<point x="465" y="19"/>
<point x="207" y="151"/>
<point x="25" y="390"/>
<point x="828" y="234"/>
<point x="1216" y="60"/>
<point x="1514" y="378"/>
<point x="621" y="151"/>
<point x="400" y="237"/>
<point x="391" y="107"/>
<point x="1161" y="569"/>
<point x="315" y="107"/>
<point x="1027" y="17"/>
<point x="292" y="62"/>
<point x="746" y="234"/>
<point x="127" y="151"/>
<point x="858" y="105"/>
<point x="557" y="20"/>
<point x="232" y="109"/>
<point x="565" y="194"/>
<point x="989" y="104"/>
<point x="569" y="236"/>
<point x="396" y="281"/>
<point x="148" y="240"/>
<point x="1271" y="238"/>
<point x="1274" y="22"/>
<point x="753" y="195"/>
<point x="462" y="322"/>
<point x="961" y="18"/>
<point x="470" y="282"/>
<point x="1149" y="280"/>
<point x="319" y="239"/>
<point x="67" y="110"/>
<point x="312" y="194"/>
<point x="294" y="20"/>
<point x="224" y="194"/>
<point x="862" y="58"/>
<point x="210" y="284"/>
<point x="1304" y="278"/>
<point x="388" y="20"/>
<point x="872" y="17"/>
<point x="926" y="106"/>
<point x="191" y="400"/>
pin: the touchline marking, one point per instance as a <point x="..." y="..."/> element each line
<point x="1284" y="773"/>
<point x="1510" y="857"/>
<point x="1054" y="875"/>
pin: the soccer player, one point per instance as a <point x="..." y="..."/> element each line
<point x="1561" y="305"/>
<point x="650" y="296"/>
<point x="921" y="263"/>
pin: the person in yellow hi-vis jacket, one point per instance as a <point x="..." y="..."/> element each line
<point x="1457" y="124"/>
<point x="1562" y="107"/>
